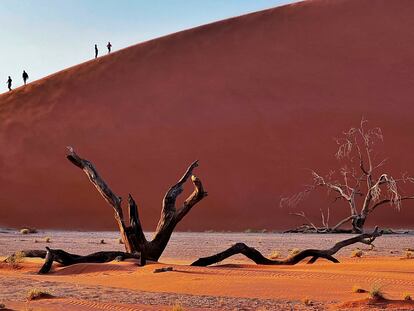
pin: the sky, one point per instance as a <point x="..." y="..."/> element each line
<point x="45" y="36"/>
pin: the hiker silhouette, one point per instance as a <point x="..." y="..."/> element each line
<point x="9" y="83"/>
<point x="109" y="45"/>
<point x="96" y="51"/>
<point x="25" y="77"/>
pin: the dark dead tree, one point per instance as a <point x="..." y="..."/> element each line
<point x="361" y="183"/>
<point x="136" y="244"/>
<point x="314" y="254"/>
<point x="132" y="235"/>
<point x="67" y="259"/>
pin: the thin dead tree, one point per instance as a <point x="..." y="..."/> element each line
<point x="133" y="235"/>
<point x="362" y="184"/>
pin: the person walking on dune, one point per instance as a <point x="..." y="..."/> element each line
<point x="109" y="46"/>
<point x="25" y="76"/>
<point x="9" y="83"/>
<point x="96" y="51"/>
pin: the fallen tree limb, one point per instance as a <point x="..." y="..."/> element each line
<point x="67" y="259"/>
<point x="315" y="254"/>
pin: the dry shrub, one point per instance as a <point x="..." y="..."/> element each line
<point x="407" y="296"/>
<point x="274" y="255"/>
<point x="35" y="293"/>
<point x="307" y="302"/>
<point x="28" y="230"/>
<point x="408" y="254"/>
<point x="24" y="231"/>
<point x="376" y="292"/>
<point x="294" y="251"/>
<point x="177" y="307"/>
<point x="15" y="260"/>
<point x="48" y="240"/>
<point x="357" y="253"/>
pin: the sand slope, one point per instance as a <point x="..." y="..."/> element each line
<point x="257" y="99"/>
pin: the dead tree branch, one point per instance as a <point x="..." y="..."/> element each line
<point x="315" y="254"/>
<point x="67" y="259"/>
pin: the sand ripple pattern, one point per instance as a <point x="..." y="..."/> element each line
<point x="96" y="296"/>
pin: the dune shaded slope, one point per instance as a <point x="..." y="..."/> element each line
<point x="257" y="99"/>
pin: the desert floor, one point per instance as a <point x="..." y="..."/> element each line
<point x="235" y="284"/>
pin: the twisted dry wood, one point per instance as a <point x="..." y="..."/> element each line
<point x="67" y="259"/>
<point x="133" y="235"/>
<point x="315" y="254"/>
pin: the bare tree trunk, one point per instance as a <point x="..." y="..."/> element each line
<point x="133" y="235"/>
<point x="358" y="223"/>
<point x="315" y="254"/>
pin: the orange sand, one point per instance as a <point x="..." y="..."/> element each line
<point x="325" y="282"/>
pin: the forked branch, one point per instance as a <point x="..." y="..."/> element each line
<point x="133" y="235"/>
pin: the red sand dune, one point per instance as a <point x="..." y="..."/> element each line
<point x="257" y="99"/>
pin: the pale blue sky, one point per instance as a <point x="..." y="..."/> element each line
<point x="45" y="36"/>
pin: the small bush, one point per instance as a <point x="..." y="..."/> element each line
<point x="274" y="255"/>
<point x="28" y="230"/>
<point x="177" y="307"/>
<point x="307" y="302"/>
<point x="294" y="251"/>
<point x="358" y="289"/>
<point x="48" y="240"/>
<point x="376" y="292"/>
<point x="357" y="253"/>
<point x="409" y="255"/>
<point x="120" y="241"/>
<point x="15" y="260"/>
<point x="24" y="231"/>
<point x="103" y="242"/>
<point x="407" y="296"/>
<point x="36" y="293"/>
